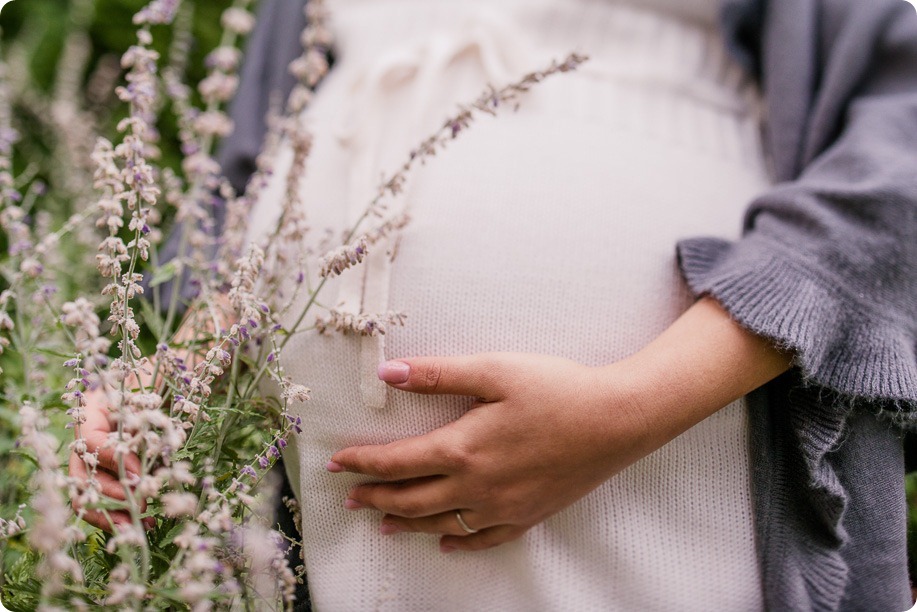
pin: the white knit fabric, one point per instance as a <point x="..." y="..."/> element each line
<point x="549" y="230"/>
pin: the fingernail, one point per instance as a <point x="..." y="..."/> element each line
<point x="445" y="548"/>
<point x="333" y="466"/>
<point x="395" y="372"/>
<point x="352" y="504"/>
<point x="389" y="528"/>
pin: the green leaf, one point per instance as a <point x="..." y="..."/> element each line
<point x="25" y="455"/>
<point x="53" y="353"/>
<point x="171" y="535"/>
<point x="164" y="274"/>
<point x="151" y="318"/>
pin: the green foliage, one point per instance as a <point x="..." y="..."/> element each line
<point x="25" y="596"/>
<point x="33" y="35"/>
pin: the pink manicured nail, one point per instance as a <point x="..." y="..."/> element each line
<point x="388" y="529"/>
<point x="445" y="548"/>
<point x="332" y="466"/>
<point x="395" y="372"/>
<point x="352" y="504"/>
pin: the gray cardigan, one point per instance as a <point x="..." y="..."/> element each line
<point x="827" y="266"/>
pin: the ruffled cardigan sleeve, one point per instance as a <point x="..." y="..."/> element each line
<point x="827" y="267"/>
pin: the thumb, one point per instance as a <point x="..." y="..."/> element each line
<point x="473" y="375"/>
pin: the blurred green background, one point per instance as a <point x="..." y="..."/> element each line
<point x="37" y="29"/>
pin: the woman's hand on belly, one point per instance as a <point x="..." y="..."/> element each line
<point x="546" y="431"/>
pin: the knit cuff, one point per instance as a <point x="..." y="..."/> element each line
<point x="840" y="341"/>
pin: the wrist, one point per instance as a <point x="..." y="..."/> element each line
<point x="703" y="362"/>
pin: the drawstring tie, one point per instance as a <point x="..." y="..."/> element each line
<point x="405" y="80"/>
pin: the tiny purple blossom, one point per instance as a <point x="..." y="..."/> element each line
<point x="263" y="462"/>
<point x="249" y="471"/>
<point x="71" y="363"/>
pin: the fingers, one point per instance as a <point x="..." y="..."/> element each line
<point x="109" y="522"/>
<point x="473" y="375"/>
<point x="444" y="523"/>
<point x="108" y="485"/>
<point x="98" y="441"/>
<point x="418" y="498"/>
<point x="484" y="539"/>
<point x="433" y="454"/>
<point x="454" y="538"/>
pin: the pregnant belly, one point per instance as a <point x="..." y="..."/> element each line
<point x="545" y="231"/>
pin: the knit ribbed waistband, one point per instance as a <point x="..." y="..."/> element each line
<point x="630" y="42"/>
<point x="651" y="71"/>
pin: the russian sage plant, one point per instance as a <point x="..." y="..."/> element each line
<point x="140" y="475"/>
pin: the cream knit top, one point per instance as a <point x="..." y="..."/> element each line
<point x="548" y="230"/>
